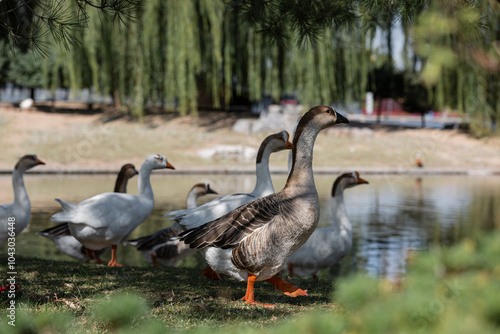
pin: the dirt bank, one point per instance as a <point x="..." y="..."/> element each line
<point x="75" y="138"/>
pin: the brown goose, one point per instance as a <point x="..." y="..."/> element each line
<point x="254" y="241"/>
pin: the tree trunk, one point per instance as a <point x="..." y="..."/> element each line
<point x="32" y="93"/>
<point x="53" y="104"/>
<point x="379" y="108"/>
<point x="116" y="99"/>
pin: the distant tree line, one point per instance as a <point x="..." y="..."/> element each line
<point x="183" y="55"/>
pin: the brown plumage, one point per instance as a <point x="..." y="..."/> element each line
<point x="258" y="237"/>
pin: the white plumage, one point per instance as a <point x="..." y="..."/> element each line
<point x="255" y="240"/>
<point x="20" y="210"/>
<point x="326" y="246"/>
<point x="191" y="218"/>
<point x="159" y="248"/>
<point x="61" y="235"/>
<point x="106" y="219"/>
<point x="26" y="103"/>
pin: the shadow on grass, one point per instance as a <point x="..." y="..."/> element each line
<point x="178" y="294"/>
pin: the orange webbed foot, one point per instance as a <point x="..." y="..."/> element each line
<point x="113" y="262"/>
<point x="91" y="254"/>
<point x="155" y="261"/>
<point x="249" y="295"/>
<point x="210" y="273"/>
<point x="285" y="287"/>
<point x="255" y="303"/>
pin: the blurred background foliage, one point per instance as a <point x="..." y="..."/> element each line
<point x="186" y="55"/>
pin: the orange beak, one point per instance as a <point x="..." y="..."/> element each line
<point x="361" y="181"/>
<point x="289" y="145"/>
<point x="169" y="166"/>
<point x="39" y="162"/>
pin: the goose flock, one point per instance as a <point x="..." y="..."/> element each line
<point x="250" y="237"/>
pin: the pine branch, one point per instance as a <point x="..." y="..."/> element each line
<point x="27" y="24"/>
<point x="277" y="20"/>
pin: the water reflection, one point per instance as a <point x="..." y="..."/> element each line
<point x="391" y="216"/>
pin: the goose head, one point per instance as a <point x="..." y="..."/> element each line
<point x="158" y="161"/>
<point x="323" y="117"/>
<point x="128" y="171"/>
<point x="208" y="190"/>
<point x="28" y="161"/>
<point x="345" y="181"/>
<point x="317" y="119"/>
<point x="203" y="189"/>
<point x="274" y="143"/>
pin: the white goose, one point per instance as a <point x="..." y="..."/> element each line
<point x="326" y="246"/>
<point x="190" y="218"/>
<point x="106" y="219"/>
<point x="158" y="248"/>
<point x="18" y="213"/>
<point x="254" y="242"/>
<point x="69" y="245"/>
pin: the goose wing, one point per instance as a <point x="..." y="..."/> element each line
<point x="229" y="230"/>
<point x="103" y="210"/>
<point x="155" y="239"/>
<point x="56" y="231"/>
<point x="195" y="217"/>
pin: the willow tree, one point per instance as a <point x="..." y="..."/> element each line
<point x="184" y="54"/>
<point x="458" y="44"/>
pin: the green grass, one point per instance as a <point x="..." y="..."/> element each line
<point x="177" y="298"/>
<point x="447" y="290"/>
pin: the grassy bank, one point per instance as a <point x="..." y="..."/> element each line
<point x="451" y="290"/>
<point x="177" y="298"/>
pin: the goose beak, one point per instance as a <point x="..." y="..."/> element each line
<point x="169" y="166"/>
<point x="289" y="145"/>
<point x="39" y="162"/>
<point x="361" y="181"/>
<point x="210" y="191"/>
<point x="341" y="119"/>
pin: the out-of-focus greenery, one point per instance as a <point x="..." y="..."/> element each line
<point x="183" y="55"/>
<point x="447" y="290"/>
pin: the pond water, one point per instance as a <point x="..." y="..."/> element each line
<point x="392" y="216"/>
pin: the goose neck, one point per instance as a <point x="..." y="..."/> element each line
<point x="192" y="199"/>
<point x="20" y="193"/>
<point x="301" y="172"/>
<point x="121" y="184"/>
<point x="263" y="183"/>
<point x="144" y="182"/>
<point x="340" y="220"/>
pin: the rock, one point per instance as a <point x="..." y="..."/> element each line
<point x="274" y="118"/>
<point x="238" y="153"/>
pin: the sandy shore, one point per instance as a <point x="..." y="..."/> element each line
<point x="76" y="140"/>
